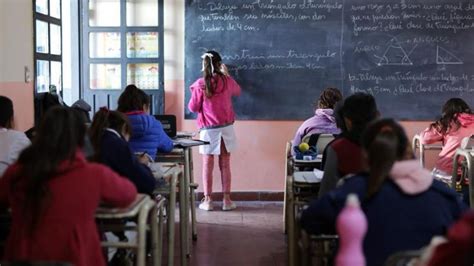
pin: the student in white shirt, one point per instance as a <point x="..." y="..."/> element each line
<point x="12" y="142"/>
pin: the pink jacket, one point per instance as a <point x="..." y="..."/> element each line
<point x="450" y="140"/>
<point x="217" y="110"/>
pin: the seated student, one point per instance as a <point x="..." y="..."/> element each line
<point x="456" y="123"/>
<point x="84" y="108"/>
<point x="12" y="142"/>
<point x="344" y="155"/>
<point x="404" y="206"/>
<point x="458" y="249"/>
<point x="109" y="133"/>
<point x="342" y="127"/>
<point x="53" y="193"/>
<point x="323" y="121"/>
<point x="147" y="132"/>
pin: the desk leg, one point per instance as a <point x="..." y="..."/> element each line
<point x="187" y="180"/>
<point x="291" y="223"/>
<point x="183" y="218"/>
<point x="156" y="233"/>
<point x="193" y="197"/>
<point x="171" y="218"/>
<point x="141" y="234"/>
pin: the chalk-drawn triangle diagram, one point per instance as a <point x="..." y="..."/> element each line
<point x="445" y="57"/>
<point x="395" y="55"/>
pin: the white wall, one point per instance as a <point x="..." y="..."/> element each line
<point x="16" y="53"/>
<point x="16" y="39"/>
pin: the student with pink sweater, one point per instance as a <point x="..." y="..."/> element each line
<point x="456" y="123"/>
<point x="211" y="98"/>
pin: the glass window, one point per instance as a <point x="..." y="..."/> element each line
<point x="105" y="76"/>
<point x="104" y="44"/>
<point x="56" y="78"/>
<point x="142" y="44"/>
<point x="42" y="37"/>
<point x="55" y="36"/>
<point x="42" y="6"/>
<point x="144" y="76"/>
<point x="55" y="7"/>
<point x="142" y="13"/>
<point x="104" y="13"/>
<point x="42" y="76"/>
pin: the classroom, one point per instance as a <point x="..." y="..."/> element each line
<point x="282" y="62"/>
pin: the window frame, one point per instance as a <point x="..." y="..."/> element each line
<point x="123" y="60"/>
<point x="38" y="56"/>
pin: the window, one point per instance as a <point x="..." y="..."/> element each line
<point x="121" y="44"/>
<point x="48" y="46"/>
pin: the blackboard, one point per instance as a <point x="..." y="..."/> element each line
<point x="411" y="55"/>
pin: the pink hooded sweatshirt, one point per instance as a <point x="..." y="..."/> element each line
<point x="410" y="177"/>
<point x="216" y="110"/>
<point x="451" y="141"/>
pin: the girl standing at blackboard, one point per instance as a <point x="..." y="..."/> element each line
<point x="211" y="98"/>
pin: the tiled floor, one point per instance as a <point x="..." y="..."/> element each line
<point x="250" y="235"/>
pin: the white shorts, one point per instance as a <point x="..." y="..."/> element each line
<point x="214" y="136"/>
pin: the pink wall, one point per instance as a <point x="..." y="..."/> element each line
<point x="258" y="164"/>
<point x="22" y="96"/>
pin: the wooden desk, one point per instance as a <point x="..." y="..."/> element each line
<point x="308" y="164"/>
<point x="298" y="185"/>
<point x="174" y="172"/>
<point x="182" y="154"/>
<point x="145" y="210"/>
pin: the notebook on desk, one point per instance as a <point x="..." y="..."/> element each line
<point x="187" y="142"/>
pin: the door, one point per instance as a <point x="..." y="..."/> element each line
<point x="122" y="43"/>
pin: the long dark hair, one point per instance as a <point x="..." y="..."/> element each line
<point x="6" y="112"/>
<point x="360" y="109"/>
<point x="211" y="64"/>
<point x="132" y="99"/>
<point x="385" y="142"/>
<point x="106" y="119"/>
<point x="60" y="134"/>
<point x="448" y="121"/>
<point x="328" y="98"/>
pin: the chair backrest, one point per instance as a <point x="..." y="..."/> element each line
<point x="288" y="166"/>
<point x="403" y="258"/>
<point x="169" y="124"/>
<point x="467" y="142"/>
<point x="318" y="140"/>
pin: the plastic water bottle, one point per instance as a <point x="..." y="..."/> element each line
<point x="351" y="226"/>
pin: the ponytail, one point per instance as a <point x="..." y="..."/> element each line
<point x="102" y="120"/>
<point x="211" y="64"/>
<point x="382" y="155"/>
<point x="99" y="123"/>
<point x="385" y="142"/>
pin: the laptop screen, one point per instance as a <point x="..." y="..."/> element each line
<point x="169" y="124"/>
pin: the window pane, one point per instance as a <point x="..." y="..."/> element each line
<point x="142" y="44"/>
<point x="56" y="73"/>
<point x="104" y="13"/>
<point x="42" y="76"/>
<point x="55" y="7"/>
<point x="55" y="39"/>
<point x="42" y="37"/>
<point x="42" y="6"/>
<point x="144" y="76"/>
<point x="105" y="76"/>
<point x="104" y="44"/>
<point x="142" y="12"/>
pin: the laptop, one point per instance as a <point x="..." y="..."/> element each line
<point x="169" y="124"/>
